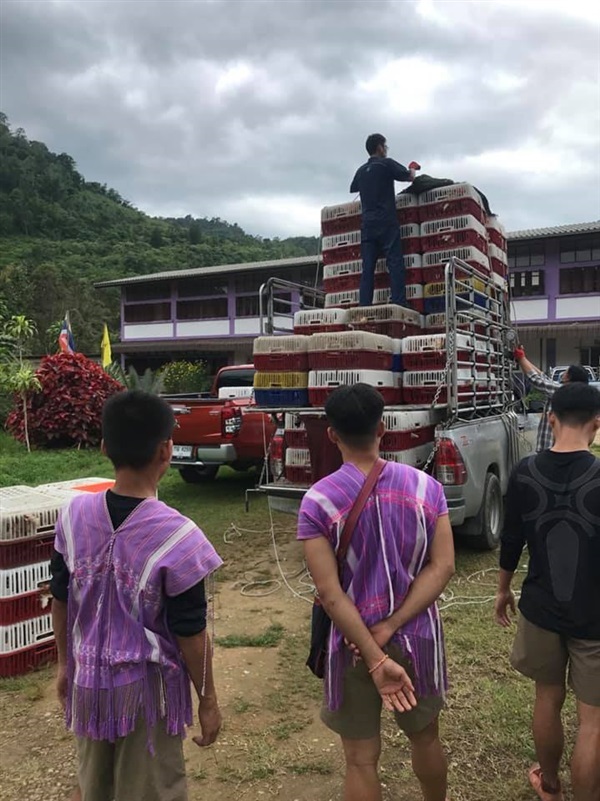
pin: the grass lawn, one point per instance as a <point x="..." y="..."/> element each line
<point x="273" y="744"/>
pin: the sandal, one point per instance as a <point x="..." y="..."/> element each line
<point x="536" y="781"/>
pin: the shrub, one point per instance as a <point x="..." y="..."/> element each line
<point x="180" y="377"/>
<point x="68" y="409"/>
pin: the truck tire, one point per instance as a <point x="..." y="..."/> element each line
<point x="199" y="475"/>
<point x="483" y="531"/>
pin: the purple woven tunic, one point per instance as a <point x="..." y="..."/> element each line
<point x="389" y="547"/>
<point x="123" y="662"/>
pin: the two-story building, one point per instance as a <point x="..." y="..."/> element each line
<point x="555" y="289"/>
<point x="213" y="312"/>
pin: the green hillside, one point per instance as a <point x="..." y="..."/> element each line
<point x="59" y="233"/>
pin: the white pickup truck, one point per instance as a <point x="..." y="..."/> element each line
<point x="476" y="446"/>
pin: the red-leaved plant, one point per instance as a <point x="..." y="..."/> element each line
<point x="68" y="409"/>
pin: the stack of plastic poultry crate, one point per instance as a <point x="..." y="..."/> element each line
<point x="27" y="522"/>
<point x="281" y="377"/>
<point x="320" y="321"/>
<point x="409" y="436"/>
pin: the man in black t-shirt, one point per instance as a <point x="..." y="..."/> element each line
<point x="553" y="507"/>
<point x="380" y="234"/>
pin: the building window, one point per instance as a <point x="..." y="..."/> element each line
<point x="147" y="312"/>
<point x="206" y="309"/>
<point x="579" y="280"/>
<point x="246" y="306"/>
<point x="584" y="249"/>
<point x="525" y="284"/>
<point x="159" y="290"/>
<point x="530" y="254"/>
<point x="201" y="287"/>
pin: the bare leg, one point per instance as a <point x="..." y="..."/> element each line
<point x="548" y="732"/>
<point x="76" y="796"/>
<point x="585" y="764"/>
<point x="429" y="762"/>
<point x="362" y="782"/>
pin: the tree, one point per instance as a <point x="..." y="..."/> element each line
<point x="15" y="375"/>
<point x="156" y="239"/>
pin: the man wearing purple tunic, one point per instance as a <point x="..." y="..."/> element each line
<point x="129" y="614"/>
<point x="400" y="559"/>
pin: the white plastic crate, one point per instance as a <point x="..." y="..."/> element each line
<point x="452" y="192"/>
<point x="18" y="490"/>
<point x="317" y="317"/>
<point x="292" y="343"/>
<point x="230" y="393"/>
<point x="320" y="379"/>
<point x="388" y="313"/>
<point x="350" y="340"/>
<point x="408" y="421"/>
<point x="334" y="300"/>
<point x="19" y="580"/>
<point x="28" y="514"/>
<point x="406" y="200"/>
<point x="410" y="231"/>
<point x="496" y="253"/>
<point x="340" y="240"/>
<point x="26" y="633"/>
<point x="494" y="223"/>
<point x="414" y="291"/>
<point x="469" y="254"/>
<point x="500" y="282"/>
<point x="413" y="261"/>
<point x="435" y="342"/>
<point x="433" y="378"/>
<point x="413" y="457"/>
<point x="293" y="422"/>
<point x="341" y="210"/>
<point x="465" y="222"/>
<point x="76" y="485"/>
<point x="297" y="457"/>
<point x="350" y="268"/>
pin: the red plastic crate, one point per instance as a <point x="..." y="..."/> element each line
<point x="22" y="607"/>
<point x="296" y="438"/>
<point x="432" y="360"/>
<point x="340" y="225"/>
<point x="281" y="362"/>
<point x="298" y="475"/>
<point x="499" y="267"/>
<point x="343" y="253"/>
<point x="414" y="275"/>
<point x="405" y="440"/>
<point x="349" y="283"/>
<point x="391" y="328"/>
<point x="350" y="360"/>
<point x="409" y="214"/>
<point x="392" y="396"/>
<point x="411" y="245"/>
<point x="497" y="238"/>
<point x="454" y="239"/>
<point x="22" y="661"/>
<point x="25" y="552"/>
<point x="418" y="304"/>
<point x="319" y="329"/>
<point x="433" y="275"/>
<point x="452" y="208"/>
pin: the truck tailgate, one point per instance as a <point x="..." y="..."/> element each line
<point x="198" y="423"/>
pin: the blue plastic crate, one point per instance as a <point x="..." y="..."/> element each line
<point x="281" y="397"/>
<point x="437" y="303"/>
<point x="397" y="363"/>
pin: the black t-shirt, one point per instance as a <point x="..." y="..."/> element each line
<point x="186" y="613"/>
<point x="553" y="506"/>
<point x="375" y="182"/>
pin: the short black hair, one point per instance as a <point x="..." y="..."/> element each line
<point x="576" y="403"/>
<point x="354" y="412"/>
<point x="134" y="423"/>
<point x="373" y="142"/>
<point x="578" y="373"/>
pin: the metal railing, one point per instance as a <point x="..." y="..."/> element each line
<point x="277" y="312"/>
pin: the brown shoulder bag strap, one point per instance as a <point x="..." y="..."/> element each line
<point x="359" y="505"/>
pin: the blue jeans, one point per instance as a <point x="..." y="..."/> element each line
<point x="382" y="241"/>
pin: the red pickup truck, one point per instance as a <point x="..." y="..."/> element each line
<point x="213" y="428"/>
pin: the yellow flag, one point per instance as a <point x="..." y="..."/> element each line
<point x="105" y="350"/>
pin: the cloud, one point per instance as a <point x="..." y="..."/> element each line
<point x="257" y="111"/>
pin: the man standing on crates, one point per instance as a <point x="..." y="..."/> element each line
<point x="380" y="227"/>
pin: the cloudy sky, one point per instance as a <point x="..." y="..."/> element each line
<point x="256" y="111"/>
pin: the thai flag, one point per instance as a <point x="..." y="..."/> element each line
<point x="66" y="343"/>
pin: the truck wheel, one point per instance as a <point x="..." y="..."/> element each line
<point x="483" y="531"/>
<point x="199" y="475"/>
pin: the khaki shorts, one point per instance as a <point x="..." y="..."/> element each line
<point x="359" y="717"/>
<point x="127" y="771"/>
<point x="547" y="657"/>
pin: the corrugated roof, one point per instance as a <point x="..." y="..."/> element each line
<point x="219" y="269"/>
<point x="557" y="230"/>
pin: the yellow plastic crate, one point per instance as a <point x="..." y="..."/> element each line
<point x="280" y="380"/>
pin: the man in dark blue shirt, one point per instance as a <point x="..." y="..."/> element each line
<point x="380" y="227"/>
